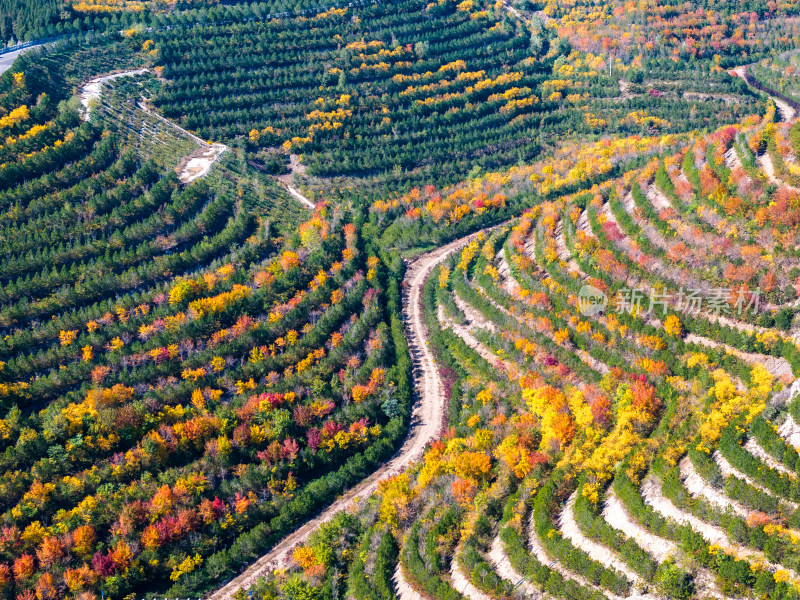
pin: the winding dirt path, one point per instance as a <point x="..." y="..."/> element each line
<point x="91" y="90"/>
<point x="768" y="167"/>
<point x="192" y="166"/>
<point x="426" y="422"/>
<point x="787" y="112"/>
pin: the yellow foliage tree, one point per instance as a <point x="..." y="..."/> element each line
<point x="672" y="325"/>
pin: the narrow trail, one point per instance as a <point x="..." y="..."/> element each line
<point x="504" y="269"/>
<point x="543" y="557"/>
<point x="473" y="315"/>
<point x="300" y="198"/>
<point x="653" y="496"/>
<point x="193" y="166"/>
<point x="661" y="549"/>
<point x="697" y="486"/>
<point x="172" y="124"/>
<point x="198" y="163"/>
<point x="617" y="516"/>
<point x="778" y="367"/>
<point x="787" y="112"/>
<point x="768" y="167"/>
<point x="754" y="448"/>
<point x="502" y="565"/>
<point x="296" y="168"/>
<point x="91" y="90"/>
<point x="565" y="256"/>
<point x="461" y="583"/>
<point x="726" y="468"/>
<point x="658" y="198"/>
<point x="598" y="552"/>
<point x="426" y="421"/>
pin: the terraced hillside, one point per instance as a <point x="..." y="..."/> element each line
<point x="416" y="300"/>
<point x="177" y="377"/>
<point x="389" y="96"/>
<point x="634" y="450"/>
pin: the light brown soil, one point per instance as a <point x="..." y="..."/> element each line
<point x="403" y="588"/>
<point x="617" y="516"/>
<point x="778" y="367"/>
<point x="426" y="422"/>
<point x="652" y="494"/>
<point x="790" y="431"/>
<point x="726" y="468"/>
<point x="502" y="566"/>
<point x="754" y="448"/>
<point x="659" y="548"/>
<point x="543" y="557"/>
<point x="461" y="583"/>
<point x="697" y="486"/>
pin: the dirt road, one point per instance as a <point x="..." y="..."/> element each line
<point x="786" y="111"/>
<point x="300" y="198"/>
<point x="427" y="420"/>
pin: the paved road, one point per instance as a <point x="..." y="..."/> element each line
<point x="6" y="60"/>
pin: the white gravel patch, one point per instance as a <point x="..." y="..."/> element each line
<point x="790" y="431"/>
